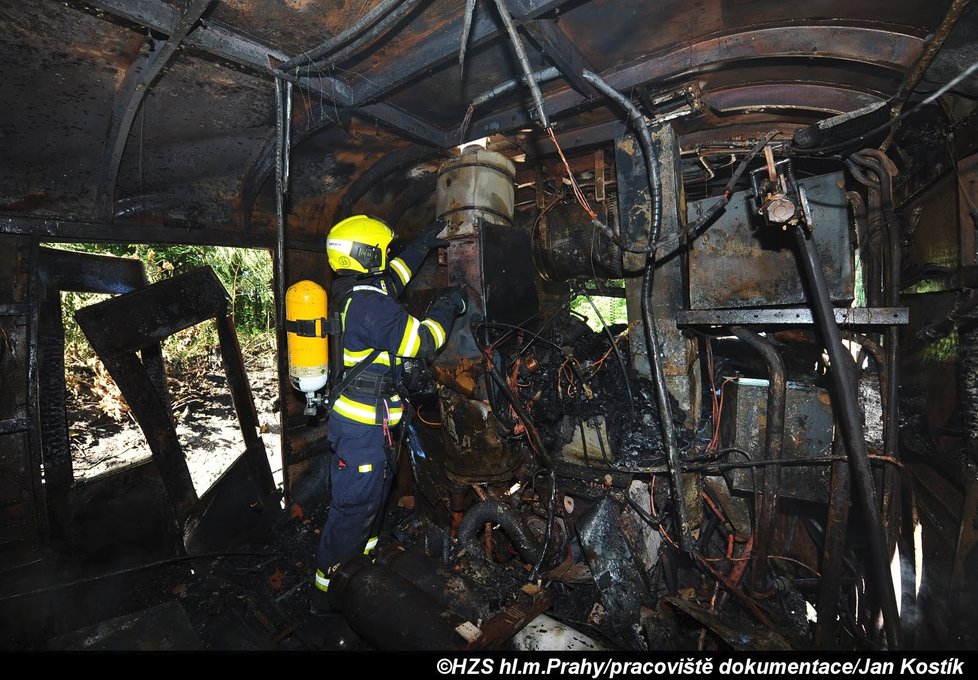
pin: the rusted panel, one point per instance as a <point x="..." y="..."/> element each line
<point x="737" y="264"/>
<point x="808" y="428"/>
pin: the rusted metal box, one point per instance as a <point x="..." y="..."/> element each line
<point x="807" y="434"/>
<point x="736" y="263"/>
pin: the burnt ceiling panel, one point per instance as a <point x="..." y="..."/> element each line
<point x="207" y="119"/>
<point x="57" y="102"/>
<point x="292" y="25"/>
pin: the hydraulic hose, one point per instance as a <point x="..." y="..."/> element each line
<point x="850" y="421"/>
<point x="507" y="518"/>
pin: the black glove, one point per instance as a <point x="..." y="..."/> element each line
<point x="429" y="237"/>
<point x="453" y="302"/>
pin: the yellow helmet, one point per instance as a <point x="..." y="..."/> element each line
<point x="358" y="244"/>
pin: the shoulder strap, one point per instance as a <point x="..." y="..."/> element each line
<point x="350" y="376"/>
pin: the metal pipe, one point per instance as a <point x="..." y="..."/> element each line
<point x="542" y="75"/>
<point x="850" y="421"/>
<point x="500" y="513"/>
<point x="280" y="275"/>
<point x="879" y="164"/>
<point x="833" y="550"/>
<point x="524" y="62"/>
<point x="933" y="46"/>
<point x="773" y="443"/>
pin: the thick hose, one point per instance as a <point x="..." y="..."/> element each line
<point x="850" y="421"/>
<point x="507" y="518"/>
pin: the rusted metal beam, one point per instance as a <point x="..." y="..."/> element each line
<point x="878" y="47"/>
<point x="443" y="46"/>
<point x="77" y="230"/>
<point x="558" y="48"/>
<point x="934" y="43"/>
<point x="793" y="316"/>
<point x="137" y="82"/>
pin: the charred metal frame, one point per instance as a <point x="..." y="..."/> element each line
<point x="139" y="77"/>
<point x="60" y="270"/>
<point x="793" y="316"/>
<point x="122" y="327"/>
<point x="226" y="43"/>
<point x="892" y="51"/>
<point x="90" y="231"/>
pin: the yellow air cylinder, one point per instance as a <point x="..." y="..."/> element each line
<point x="306" y="310"/>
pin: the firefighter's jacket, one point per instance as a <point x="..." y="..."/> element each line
<point x="373" y="319"/>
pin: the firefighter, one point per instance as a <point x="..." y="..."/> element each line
<point x="376" y="332"/>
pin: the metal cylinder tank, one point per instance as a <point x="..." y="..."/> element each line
<point x="479" y="184"/>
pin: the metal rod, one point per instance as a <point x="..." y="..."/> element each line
<point x="514" y="38"/>
<point x="542" y="75"/>
<point x="933" y="46"/>
<point x="833" y="550"/>
<point x="773" y="443"/>
<point x="337" y="41"/>
<point x="850" y="421"/>
<point x="280" y="274"/>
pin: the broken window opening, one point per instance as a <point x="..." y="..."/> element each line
<point x="103" y="436"/>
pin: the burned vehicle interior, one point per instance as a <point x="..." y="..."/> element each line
<point x="774" y="450"/>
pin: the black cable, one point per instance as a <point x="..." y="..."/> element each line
<point x="651" y="335"/>
<point x="580" y="425"/>
<point x="535" y="335"/>
<point x="604" y="453"/>
<point x="559" y="305"/>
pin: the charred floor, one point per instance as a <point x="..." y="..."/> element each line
<point x="774" y="449"/>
